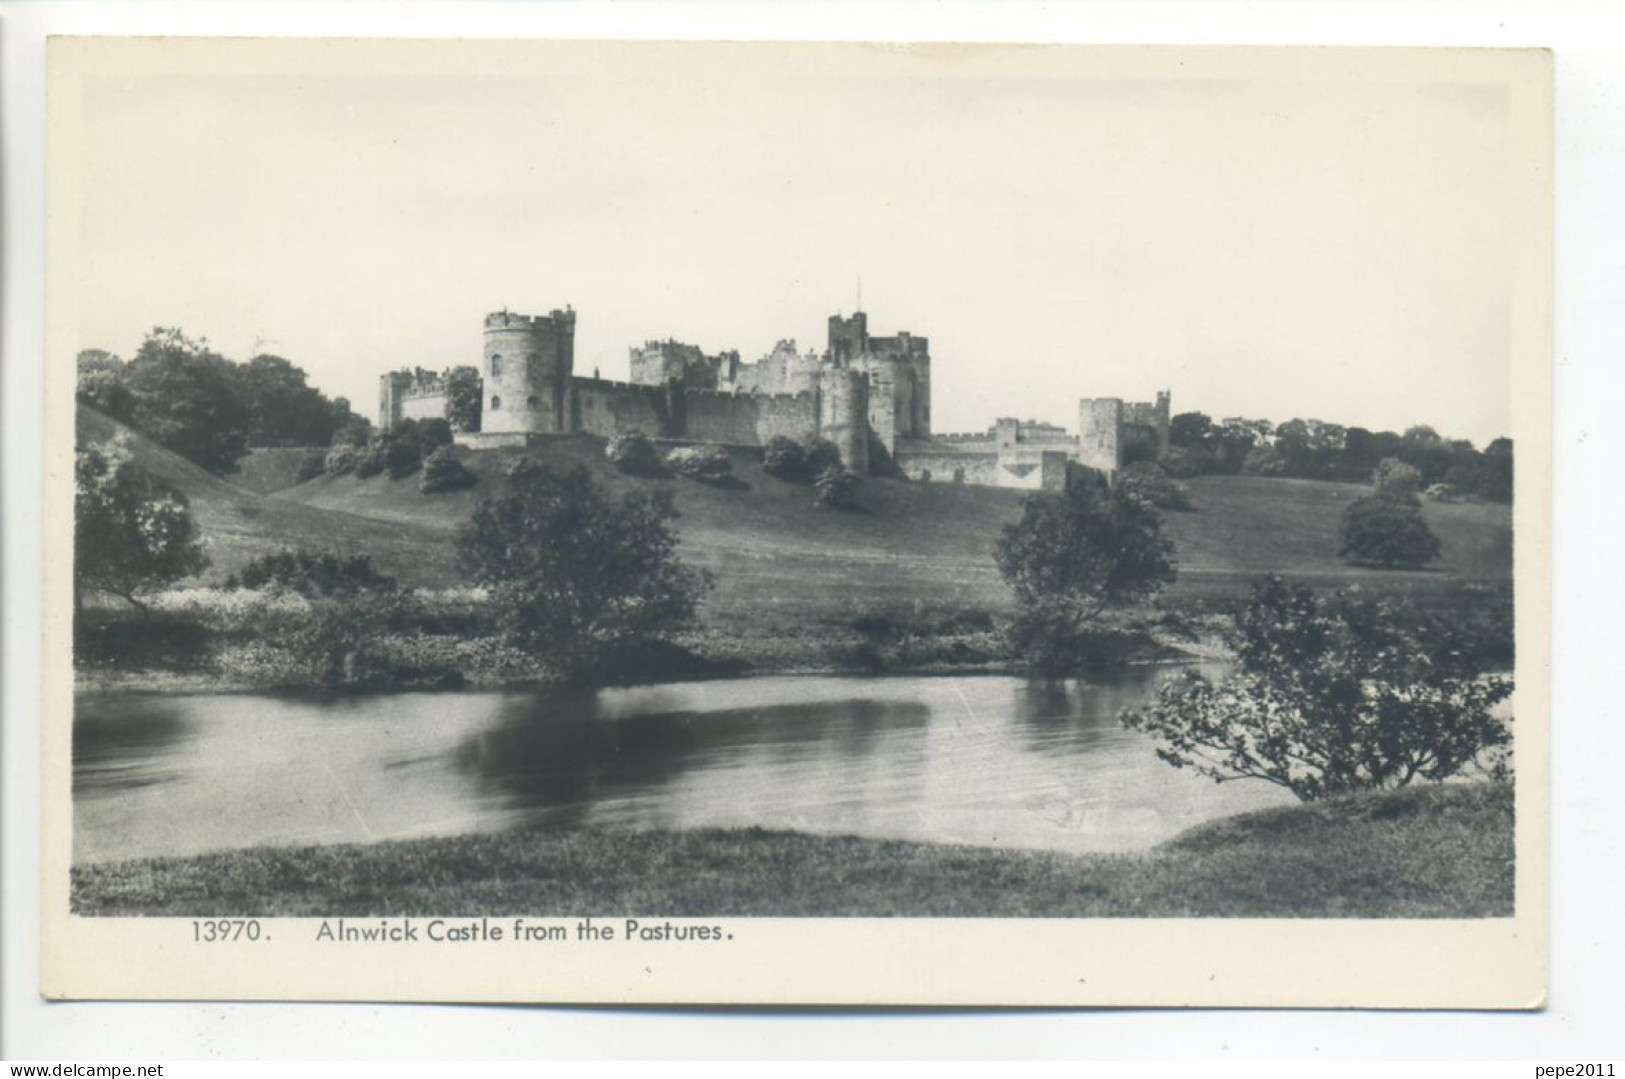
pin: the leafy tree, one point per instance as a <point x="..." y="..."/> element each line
<point x="1388" y="529"/>
<point x="443" y="472"/>
<point x="186" y="397"/>
<point x="1266" y="461"/>
<point x="1150" y="482"/>
<point x="836" y="488"/>
<point x="100" y="384"/>
<point x="1495" y="482"/>
<point x="283" y="408"/>
<point x="1396" y="477"/>
<point x="822" y="455"/>
<point x="1192" y="430"/>
<point x="1072" y="555"/>
<point x="131" y="532"/>
<point x="311" y="573"/>
<point x="464" y="398"/>
<point x="575" y="572"/>
<point x="1330" y="698"/>
<point x="634" y="454"/>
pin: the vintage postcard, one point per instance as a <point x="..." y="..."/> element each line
<point x="768" y="523"/>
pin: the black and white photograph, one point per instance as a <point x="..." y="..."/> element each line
<point x="752" y="502"/>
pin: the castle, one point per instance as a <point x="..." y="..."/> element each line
<point x="869" y="395"/>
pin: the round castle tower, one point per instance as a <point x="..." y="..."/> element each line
<point x="526" y="368"/>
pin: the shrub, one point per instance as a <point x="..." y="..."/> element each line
<point x="634" y="454"/>
<point x="836" y="488"/>
<point x="1183" y="462"/>
<point x="1148" y="481"/>
<point x="432" y="434"/>
<point x="1330" y="698"/>
<point x="311" y="465"/>
<point x="708" y="464"/>
<point x="311" y="573"/>
<point x="342" y="459"/>
<point x="132" y="532"/>
<point x="1265" y="461"/>
<point x="785" y="459"/>
<point x="1388" y="530"/>
<point x="442" y="472"/>
<point x="402" y="456"/>
<point x="1394" y="475"/>
<point x="822" y="455"/>
<point x="370" y="460"/>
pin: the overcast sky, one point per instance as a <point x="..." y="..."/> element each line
<point x="1271" y="245"/>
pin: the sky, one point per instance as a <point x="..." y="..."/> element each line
<point x="1265" y="239"/>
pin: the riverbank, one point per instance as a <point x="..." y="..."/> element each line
<point x="1425" y="852"/>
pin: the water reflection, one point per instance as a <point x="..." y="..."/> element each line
<point x="990" y="760"/>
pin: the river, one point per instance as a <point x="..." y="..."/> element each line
<point x="986" y="760"/>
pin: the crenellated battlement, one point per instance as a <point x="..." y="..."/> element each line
<point x="553" y="322"/>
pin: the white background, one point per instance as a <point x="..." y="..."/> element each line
<point x="1584" y="1019"/>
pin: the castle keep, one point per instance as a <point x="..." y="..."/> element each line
<point x="869" y="395"/>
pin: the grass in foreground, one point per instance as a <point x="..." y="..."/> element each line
<point x="1425" y="852"/>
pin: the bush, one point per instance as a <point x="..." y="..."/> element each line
<point x="352" y="639"/>
<point x="634" y="454"/>
<point x="370" y="460"/>
<point x="708" y="464"/>
<point x="402" y="456"/>
<point x="1397" y="477"/>
<point x="785" y="459"/>
<point x="1330" y="698"/>
<point x="836" y="488"/>
<point x="822" y="455"/>
<point x="311" y="573"/>
<point x="311" y="465"/>
<point x="1147" y="480"/>
<point x="342" y="459"/>
<point x="1183" y="462"/>
<point x="432" y="434"/>
<point x="442" y="472"/>
<point x="1265" y="461"/>
<point x="1388" y="530"/>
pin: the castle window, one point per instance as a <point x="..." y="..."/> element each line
<point x="496" y="366"/>
<point x="496" y="402"/>
<point x="531" y="400"/>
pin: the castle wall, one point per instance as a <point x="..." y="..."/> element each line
<point x="844" y="416"/>
<point x="423" y="406"/>
<point x="1039" y="469"/>
<point x="607" y="409"/>
<point x="746" y="419"/>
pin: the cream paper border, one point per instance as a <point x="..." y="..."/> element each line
<point x="1487" y="963"/>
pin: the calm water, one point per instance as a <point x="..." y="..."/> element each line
<point x="986" y="760"/>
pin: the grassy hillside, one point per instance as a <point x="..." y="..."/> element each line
<point x="238" y="524"/>
<point x="269" y="468"/>
<point x="929" y="546"/>
<point x="912" y="549"/>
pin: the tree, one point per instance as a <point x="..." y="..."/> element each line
<point x="1396" y="477"/>
<point x="283" y="408"/>
<point x="131" y="532"/>
<point x="1330" y="698"/>
<point x="1388" y="530"/>
<point x="100" y="384"/>
<point x="1150" y="482"/>
<point x="1072" y="555"/>
<point x="464" y="398"/>
<point x="187" y="398"/>
<point x="575" y="572"/>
